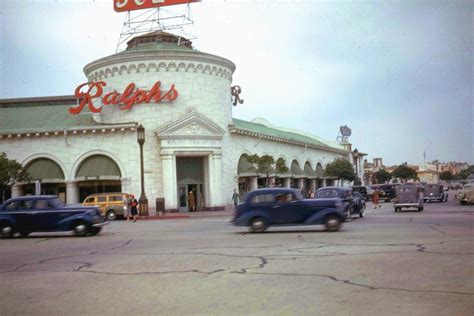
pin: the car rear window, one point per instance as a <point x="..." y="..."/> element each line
<point x="262" y="198"/>
<point x="115" y="198"/>
<point x="326" y="194"/>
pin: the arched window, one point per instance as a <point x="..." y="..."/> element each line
<point x="45" y="170"/>
<point x="98" y="167"/>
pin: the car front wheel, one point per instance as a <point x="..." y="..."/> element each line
<point x="258" y="225"/>
<point x="333" y="223"/>
<point x="6" y="230"/>
<point x="80" y="228"/>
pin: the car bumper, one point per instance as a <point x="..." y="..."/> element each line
<point x="433" y="198"/>
<point x="407" y="205"/>
<point x="100" y="224"/>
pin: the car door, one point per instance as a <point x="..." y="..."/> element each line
<point x="46" y="216"/>
<point x="18" y="211"/>
<point x="285" y="210"/>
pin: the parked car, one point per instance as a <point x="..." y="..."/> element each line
<point x="467" y="194"/>
<point x="355" y="205"/>
<point x="267" y="207"/>
<point x="387" y="192"/>
<point x="455" y="186"/>
<point x="409" y="196"/>
<point x="110" y="205"/>
<point x="435" y="192"/>
<point x="45" y="213"/>
<point x="366" y="191"/>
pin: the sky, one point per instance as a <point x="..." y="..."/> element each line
<point x="398" y="73"/>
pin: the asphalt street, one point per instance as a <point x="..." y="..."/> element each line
<point x="387" y="263"/>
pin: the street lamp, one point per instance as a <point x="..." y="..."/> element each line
<point x="355" y="154"/>
<point x="143" y="201"/>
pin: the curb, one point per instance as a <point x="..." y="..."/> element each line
<point x="179" y="216"/>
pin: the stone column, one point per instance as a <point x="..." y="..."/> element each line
<point x="300" y="183"/>
<point x="271" y="182"/>
<point x="324" y="183"/>
<point x="253" y="183"/>
<point x="17" y="190"/>
<point x="286" y="182"/>
<point x="218" y="185"/>
<point x="312" y="185"/>
<point x="72" y="192"/>
<point x="170" y="189"/>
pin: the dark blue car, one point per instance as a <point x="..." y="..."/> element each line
<point x="284" y="206"/>
<point x="47" y="213"/>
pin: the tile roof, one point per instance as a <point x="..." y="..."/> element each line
<point x="279" y="134"/>
<point x="37" y="118"/>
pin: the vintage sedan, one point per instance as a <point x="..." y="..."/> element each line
<point x="263" y="208"/>
<point x="47" y="213"/>
<point x="435" y="192"/>
<point x="409" y="196"/>
<point x="467" y="194"/>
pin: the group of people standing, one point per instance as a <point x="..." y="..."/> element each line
<point x="130" y="208"/>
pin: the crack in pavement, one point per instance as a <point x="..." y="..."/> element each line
<point x="152" y="272"/>
<point x="437" y="229"/>
<point x="18" y="268"/>
<point x="264" y="261"/>
<point x="333" y="278"/>
<point x="41" y="240"/>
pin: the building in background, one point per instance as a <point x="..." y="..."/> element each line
<point x="87" y="142"/>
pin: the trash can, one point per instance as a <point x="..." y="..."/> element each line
<point x="160" y="206"/>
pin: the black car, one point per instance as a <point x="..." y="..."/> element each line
<point x="364" y="190"/>
<point x="387" y="192"/>
<point x="358" y="203"/>
<point x="47" y="213"/>
<point x="355" y="206"/>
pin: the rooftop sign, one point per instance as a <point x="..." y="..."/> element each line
<point x="130" y="5"/>
<point x="88" y="91"/>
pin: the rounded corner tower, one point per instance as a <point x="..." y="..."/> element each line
<point x="186" y="133"/>
<point x="202" y="80"/>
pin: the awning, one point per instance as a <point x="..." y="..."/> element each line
<point x="98" y="167"/>
<point x="44" y="169"/>
<point x="296" y="171"/>
<point x="245" y="168"/>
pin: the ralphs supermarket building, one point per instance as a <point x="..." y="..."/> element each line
<point x="87" y="143"/>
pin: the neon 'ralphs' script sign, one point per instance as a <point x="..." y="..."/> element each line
<point x="89" y="91"/>
<point x="129" y="5"/>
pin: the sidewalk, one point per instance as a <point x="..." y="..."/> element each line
<point x="198" y="214"/>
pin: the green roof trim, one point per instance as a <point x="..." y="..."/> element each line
<point x="37" y="118"/>
<point x="281" y="134"/>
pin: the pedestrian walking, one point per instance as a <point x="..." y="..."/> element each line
<point x="191" y="201"/>
<point x="311" y="194"/>
<point x="375" y="199"/>
<point x="235" y="198"/>
<point x="133" y="208"/>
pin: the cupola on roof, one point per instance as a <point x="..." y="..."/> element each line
<point x="158" y="37"/>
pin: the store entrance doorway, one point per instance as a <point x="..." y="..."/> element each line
<point x="190" y="178"/>
<point x="190" y="197"/>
